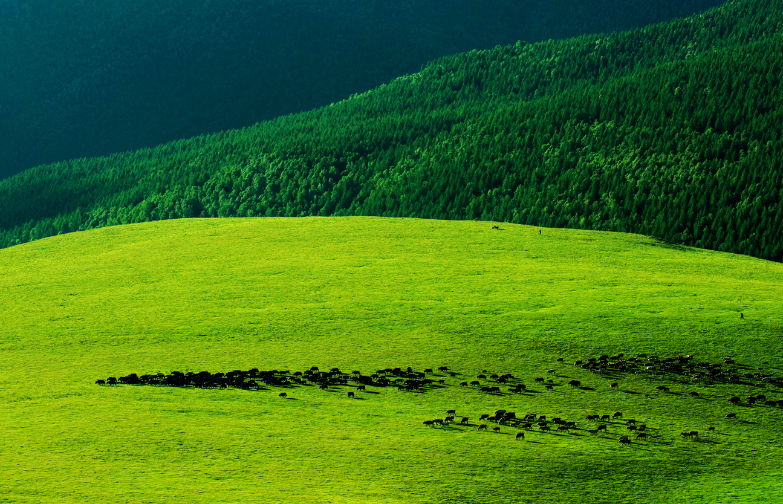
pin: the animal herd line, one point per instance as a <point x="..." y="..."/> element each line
<point x="678" y="372"/>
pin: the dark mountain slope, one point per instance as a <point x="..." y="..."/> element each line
<point x="83" y="78"/>
<point x="672" y="130"/>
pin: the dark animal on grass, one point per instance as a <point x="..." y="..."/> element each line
<point x="463" y="384"/>
<point x="361" y="387"/>
<point x="549" y="387"/>
<point x="631" y="427"/>
<point x="496" y="429"/>
<point x="451" y="412"/>
<point x="474" y="382"/>
<point x="643" y="427"/>
<point x="604" y="418"/>
<point x="562" y="428"/>
<point x="449" y="419"/>
<point x="428" y="370"/>
<point x="591" y="417"/>
<point x="483" y="417"/>
<point x="542" y="418"/>
<point x="520" y="435"/>
<point x="526" y="425"/>
<point x="624" y="441"/>
<point x="570" y="425"/>
<point x="111" y="380"/>
<point x="494" y="389"/>
<point x="575" y="383"/>
<point x="350" y="394"/>
<point x="543" y="428"/>
<point x="482" y="377"/>
<point x="614" y="385"/>
<point x="711" y="429"/>
<point x="641" y="435"/>
<point x="100" y="382"/>
<point x="482" y="427"/>
<point x="602" y="427"/>
<point x="617" y="414"/>
<point x="731" y="415"/>
<point x="539" y="379"/>
<point x="694" y="433"/>
<point x="559" y="359"/>
<point x="593" y="431"/>
<point x="693" y="394"/>
<point x="771" y="403"/>
<point x="464" y="420"/>
<point x="662" y="388"/>
<point x="282" y="394"/>
<point x="427" y="422"/>
<point x="630" y="421"/>
<point x="443" y="368"/>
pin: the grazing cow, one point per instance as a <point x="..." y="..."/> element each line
<point x="527" y="425"/>
<point x="451" y="412"/>
<point x="771" y="403"/>
<point x="475" y="382"/>
<point x="443" y="368"/>
<point x="100" y="382"/>
<point x="449" y="419"/>
<point x="520" y="435"/>
<point x="693" y="394"/>
<point x="624" y="441"/>
<point x="642" y="427"/>
<point x="641" y="435"/>
<point x="591" y="417"/>
<point x="575" y="383"/>
<point x="550" y="371"/>
<point x="734" y="400"/>
<point x="350" y="394"/>
<point x="562" y="427"/>
<point x="711" y="429"/>
<point x="630" y="421"/>
<point x="614" y="385"/>
<point x="482" y="427"/>
<point x="427" y="422"/>
<point x="662" y="388"/>
<point x="570" y="425"/>
<point x="496" y="429"/>
<point x="602" y="427"/>
<point x="604" y="418"/>
<point x="111" y="380"/>
<point x="593" y="431"/>
<point x="694" y="433"/>
<point x="483" y="417"/>
<point x="617" y="415"/>
<point x="428" y="370"/>
<point x="482" y="377"/>
<point x="543" y="428"/>
<point x="539" y="379"/>
<point x="542" y="418"/>
<point x="282" y="394"/>
<point x="685" y="435"/>
<point x="560" y="359"/>
<point x="464" y="420"/>
<point x="731" y="415"/>
<point x="549" y="387"/>
<point x="361" y="387"/>
<point x="631" y="427"/>
<point x="463" y="384"/>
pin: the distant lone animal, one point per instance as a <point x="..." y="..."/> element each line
<point x="693" y="394"/>
<point x="495" y="227"/>
<point x="742" y="316"/>
<point x="520" y="435"/>
<point x="614" y="385"/>
<point x="731" y="415"/>
<point x="575" y="383"/>
<point x="282" y="394"/>
<point x="350" y="394"/>
<point x="711" y="429"/>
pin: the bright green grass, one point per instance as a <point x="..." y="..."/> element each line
<point x="366" y="293"/>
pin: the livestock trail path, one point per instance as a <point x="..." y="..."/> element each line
<point x="217" y="299"/>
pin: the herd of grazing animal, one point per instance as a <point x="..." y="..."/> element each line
<point x="679" y="370"/>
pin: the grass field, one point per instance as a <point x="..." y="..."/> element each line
<point x="367" y="294"/>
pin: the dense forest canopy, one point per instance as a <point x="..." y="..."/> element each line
<point x="671" y="130"/>
<point x="82" y="78"/>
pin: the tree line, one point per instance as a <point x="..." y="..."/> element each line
<point x="670" y="131"/>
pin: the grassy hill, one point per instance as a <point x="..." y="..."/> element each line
<point x="368" y="294"/>
<point x="672" y="131"/>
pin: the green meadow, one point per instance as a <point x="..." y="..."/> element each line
<point x="368" y="294"/>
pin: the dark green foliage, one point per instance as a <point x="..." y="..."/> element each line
<point x="82" y="78"/>
<point x="671" y="131"/>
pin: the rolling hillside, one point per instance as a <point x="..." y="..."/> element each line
<point x="368" y="294"/>
<point x="671" y="131"/>
<point x="80" y="78"/>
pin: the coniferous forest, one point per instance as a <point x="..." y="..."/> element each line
<point x="671" y="130"/>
